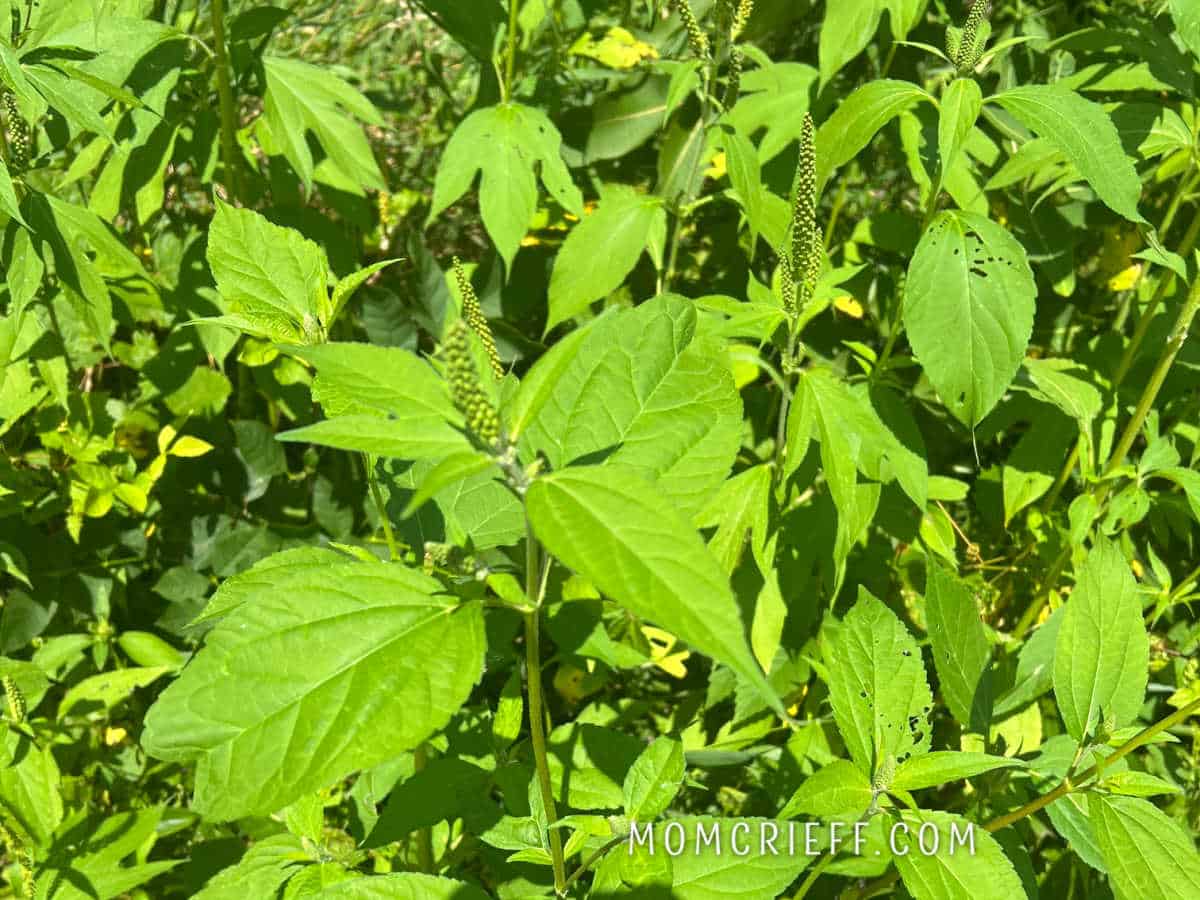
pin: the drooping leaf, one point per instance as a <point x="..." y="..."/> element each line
<point x="623" y="536"/>
<point x="301" y="98"/>
<point x="846" y="31"/>
<point x="324" y="672"/>
<point x="969" y="277"/>
<point x="859" y="117"/>
<point x="1085" y="134"/>
<point x="961" y="650"/>
<point x="602" y="250"/>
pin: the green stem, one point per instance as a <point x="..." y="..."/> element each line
<point x="817" y="872"/>
<point x="226" y="101"/>
<point x="1143" y="325"/>
<point x="510" y="61"/>
<point x="593" y="859"/>
<point x="1067" y="786"/>
<point x="424" y="835"/>
<point x="537" y="715"/>
<point x="381" y="508"/>
<point x="1178" y="335"/>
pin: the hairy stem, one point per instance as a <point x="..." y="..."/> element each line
<point x="226" y="101"/>
<point x="537" y="715"/>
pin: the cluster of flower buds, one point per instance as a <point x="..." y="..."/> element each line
<point x="482" y="419"/>
<point x="741" y="17"/>
<point x="697" y="39"/>
<point x="807" y="248"/>
<point x="15" y="700"/>
<point x="472" y="314"/>
<point x="16" y="133"/>
<point x="965" y="47"/>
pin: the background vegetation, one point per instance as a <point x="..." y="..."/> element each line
<point x="441" y="434"/>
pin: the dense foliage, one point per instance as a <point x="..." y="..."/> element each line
<point x="449" y="444"/>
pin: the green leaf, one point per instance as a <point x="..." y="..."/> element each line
<point x="8" y="196"/>
<point x="1035" y="668"/>
<point x="516" y="137"/>
<point x="406" y="436"/>
<point x="260" y="873"/>
<point x="106" y="690"/>
<point x="1102" y="653"/>
<point x="403" y="886"/>
<point x="855" y="436"/>
<point x="962" y="652"/>
<point x="1085" y="134"/>
<point x="855" y="122"/>
<point x="443" y="790"/>
<point x="741" y="162"/>
<point x="776" y="98"/>
<point x="1147" y="853"/>
<point x="602" y="250"/>
<point x="969" y="277"/>
<point x="29" y="788"/>
<point x="943" y="766"/>
<point x="839" y="790"/>
<point x="346" y="287"/>
<point x="654" y="779"/>
<point x="967" y="865"/>
<point x="904" y="16"/>
<point x="845" y="32"/>
<point x="960" y="107"/>
<point x="1189" y="481"/>
<point x="359" y="378"/>
<point x="1066" y="384"/>
<point x="449" y="471"/>
<point x="1186" y="14"/>
<point x="877" y="686"/>
<point x="270" y="275"/>
<point x="302" y="98"/>
<point x="622" y="535"/>
<point x="643" y="388"/>
<point x="623" y="122"/>
<point x="322" y="672"/>
<point x="739" y="869"/>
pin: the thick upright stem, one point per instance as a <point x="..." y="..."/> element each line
<point x="537" y="715"/>
<point x="225" y="99"/>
